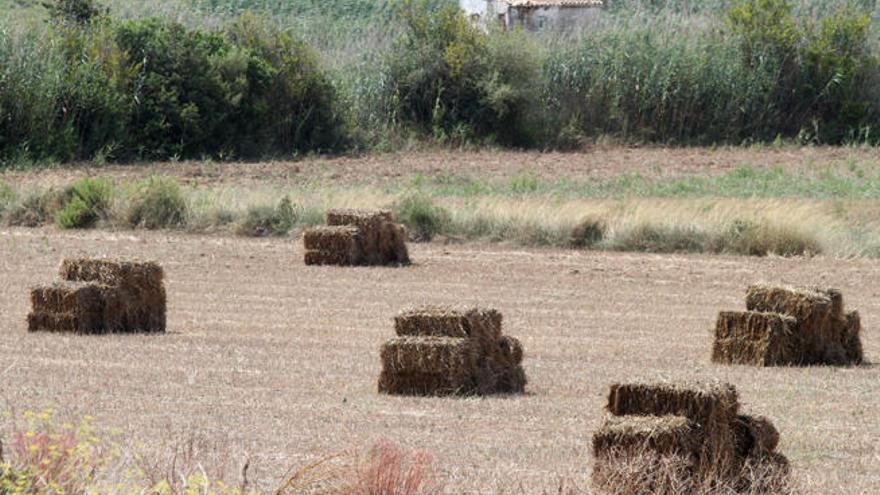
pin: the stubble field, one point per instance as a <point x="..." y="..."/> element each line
<point x="278" y="360"/>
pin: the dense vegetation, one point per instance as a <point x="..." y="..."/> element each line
<point x="257" y="78"/>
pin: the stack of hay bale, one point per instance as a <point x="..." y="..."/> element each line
<point x="789" y="326"/>
<point x="696" y="424"/>
<point x="356" y="237"/>
<point x="101" y="296"/>
<point x="442" y="351"/>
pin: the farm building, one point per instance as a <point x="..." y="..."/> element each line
<point x="534" y="15"/>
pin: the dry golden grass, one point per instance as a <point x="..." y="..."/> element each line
<point x="280" y="360"/>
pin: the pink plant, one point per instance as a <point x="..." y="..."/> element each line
<point x="391" y="470"/>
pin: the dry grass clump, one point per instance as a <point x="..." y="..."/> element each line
<point x="101" y="296"/>
<point x="356" y="237"/>
<point x="789" y="326"/>
<point x="443" y="350"/>
<point x="686" y="437"/>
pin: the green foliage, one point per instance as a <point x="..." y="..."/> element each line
<point x="7" y="196"/>
<point x="422" y="217"/>
<point x="75" y="11"/>
<point x="88" y="201"/>
<point x="261" y="221"/>
<point x="157" y="203"/>
<point x="752" y="238"/>
<point x="458" y="83"/>
<point x="660" y="238"/>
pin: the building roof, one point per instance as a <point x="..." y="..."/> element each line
<point x="556" y="3"/>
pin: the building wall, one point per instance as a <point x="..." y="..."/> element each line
<point x="556" y="17"/>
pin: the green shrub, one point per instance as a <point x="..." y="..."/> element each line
<point x="157" y="203"/>
<point x="659" y="238"/>
<point x="422" y="217"/>
<point x="88" y="201"/>
<point x="457" y="83"/>
<point x="260" y="221"/>
<point x="7" y="197"/>
<point x="753" y="238"/>
<point x="36" y="208"/>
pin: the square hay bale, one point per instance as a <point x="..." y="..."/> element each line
<point x="852" y="340"/>
<point x="760" y="339"/>
<point x="428" y="365"/>
<point x="343" y="239"/>
<point x="392" y="244"/>
<point x="137" y="302"/>
<point x="661" y="434"/>
<point x="444" y="321"/>
<point x="140" y="274"/>
<point x="69" y="297"/>
<point x="358" y="217"/>
<point x="69" y="307"/>
<point x="645" y="454"/>
<point x="755" y="436"/>
<point x="328" y="258"/>
<point x="711" y="406"/>
<point x="820" y="321"/>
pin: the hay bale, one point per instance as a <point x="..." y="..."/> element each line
<point x="327" y="258"/>
<point x="754" y="436"/>
<point x="852" y="340"/>
<point x="392" y="244"/>
<point x="645" y="454"/>
<point x="445" y="321"/>
<point x="712" y="407"/>
<point x="820" y="322"/>
<point x="68" y="307"/>
<point x="661" y="434"/>
<point x="760" y="339"/>
<point x="136" y="274"/>
<point x="324" y="238"/>
<point x="358" y="217"/>
<point x="443" y="364"/>
<point x="137" y="302"/>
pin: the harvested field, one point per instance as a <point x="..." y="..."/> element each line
<point x="280" y="360"/>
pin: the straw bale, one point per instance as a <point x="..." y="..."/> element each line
<point x="760" y="339"/>
<point x="328" y="258"/>
<point x="69" y="297"/>
<point x="445" y="355"/>
<point x="445" y="321"/>
<point x="339" y="238"/>
<point x="852" y="341"/>
<point x="358" y="216"/>
<point x="137" y="301"/>
<point x="392" y="244"/>
<point x="417" y="383"/>
<point x="820" y="322"/>
<point x="662" y="434"/>
<point x="711" y="406"/>
<point x="511" y="380"/>
<point x="45" y="321"/>
<point x="755" y="436"/>
<point x="140" y="274"/>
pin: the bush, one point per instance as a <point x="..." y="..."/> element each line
<point x="762" y="238"/>
<point x="7" y="197"/>
<point x="157" y="203"/>
<point x="589" y="232"/>
<point x="421" y="216"/>
<point x="658" y="238"/>
<point x="88" y="200"/>
<point x="457" y="83"/>
<point x="36" y="208"/>
<point x="260" y="221"/>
